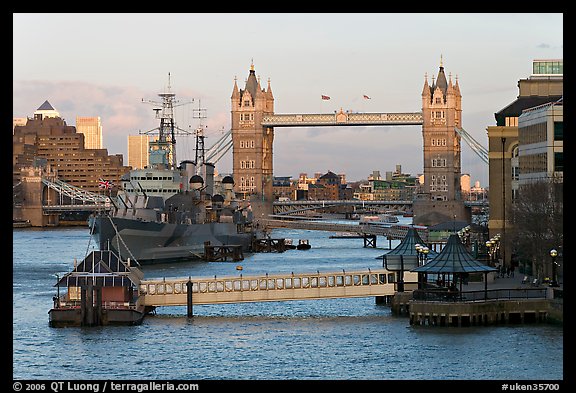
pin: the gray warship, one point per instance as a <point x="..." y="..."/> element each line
<point x="166" y="213"/>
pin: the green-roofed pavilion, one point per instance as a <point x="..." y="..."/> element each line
<point x="456" y="260"/>
<point x="406" y="255"/>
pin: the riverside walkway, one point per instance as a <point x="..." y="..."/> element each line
<point x="505" y="300"/>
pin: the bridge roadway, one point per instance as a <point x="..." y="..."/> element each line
<point x="277" y="287"/>
<point x="393" y="232"/>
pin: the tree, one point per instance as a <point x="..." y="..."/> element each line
<point x="537" y="223"/>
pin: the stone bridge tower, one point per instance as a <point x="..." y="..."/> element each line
<point x="440" y="197"/>
<point x="252" y="143"/>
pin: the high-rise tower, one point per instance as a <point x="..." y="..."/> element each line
<point x="91" y="127"/>
<point x="252" y="143"/>
<point x="440" y="197"/>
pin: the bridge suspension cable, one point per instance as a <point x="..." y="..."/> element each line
<point x="476" y="147"/>
<point x="219" y="148"/>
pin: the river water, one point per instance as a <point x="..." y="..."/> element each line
<point x="335" y="339"/>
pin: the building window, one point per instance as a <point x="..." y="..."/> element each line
<point x="559" y="162"/>
<point x="558" y="131"/>
<point x="246" y="102"/>
<point x="511" y="122"/>
<point x="439" y="162"/>
<point x="438" y="100"/>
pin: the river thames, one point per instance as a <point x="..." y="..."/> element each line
<point x="333" y="339"/>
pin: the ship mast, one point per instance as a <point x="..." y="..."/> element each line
<point x="162" y="152"/>
<point x="200" y="114"/>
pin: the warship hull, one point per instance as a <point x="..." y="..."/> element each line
<point x="157" y="242"/>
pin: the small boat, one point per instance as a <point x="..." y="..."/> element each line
<point x="289" y="245"/>
<point x="381" y="220"/>
<point x="303" y="244"/>
<point x="101" y="290"/>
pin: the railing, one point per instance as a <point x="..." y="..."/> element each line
<point x="63" y="302"/>
<point x="444" y="295"/>
<point x="268" y="287"/>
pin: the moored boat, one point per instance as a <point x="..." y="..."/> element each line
<point x="385" y="220"/>
<point x="303" y="244"/>
<point x="101" y="290"/>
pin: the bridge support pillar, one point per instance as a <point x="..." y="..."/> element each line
<point x="189" y="310"/>
<point x="370" y="241"/>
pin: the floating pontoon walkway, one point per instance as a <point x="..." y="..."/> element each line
<point x="261" y="288"/>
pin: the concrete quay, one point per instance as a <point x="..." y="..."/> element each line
<point x="512" y="301"/>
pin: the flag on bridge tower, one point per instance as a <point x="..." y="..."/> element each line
<point x="366" y="97"/>
<point x="325" y="97"/>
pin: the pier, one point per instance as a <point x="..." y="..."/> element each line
<point x="278" y="287"/>
<point x="367" y="232"/>
<point x="221" y="253"/>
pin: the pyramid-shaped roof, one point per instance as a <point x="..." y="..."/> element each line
<point x="102" y="268"/>
<point x="408" y="245"/>
<point x="454" y="258"/>
<point x="46" y="107"/>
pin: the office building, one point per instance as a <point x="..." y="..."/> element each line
<point x="91" y="127"/>
<point x="138" y="146"/>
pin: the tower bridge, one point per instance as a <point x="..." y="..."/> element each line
<point x="439" y="199"/>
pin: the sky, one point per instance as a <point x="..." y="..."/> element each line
<point x="113" y="65"/>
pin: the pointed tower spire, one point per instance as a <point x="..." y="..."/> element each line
<point x="441" y="82"/>
<point x="269" y="89"/>
<point x="426" y="88"/>
<point x="456" y="86"/>
<point x="235" y="92"/>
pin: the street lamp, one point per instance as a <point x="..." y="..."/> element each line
<point x="418" y="247"/>
<point x="425" y="251"/>
<point x="553" y="254"/>
<point x="490" y="253"/>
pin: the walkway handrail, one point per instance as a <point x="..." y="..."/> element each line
<point x="443" y="295"/>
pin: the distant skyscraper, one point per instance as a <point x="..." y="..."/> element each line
<point x="138" y="151"/>
<point x="92" y="130"/>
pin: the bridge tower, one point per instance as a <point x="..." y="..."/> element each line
<point x="252" y="142"/>
<point x="440" y="197"/>
<point x="34" y="194"/>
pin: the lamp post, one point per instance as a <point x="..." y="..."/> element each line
<point x="553" y="254"/>
<point x="490" y="253"/>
